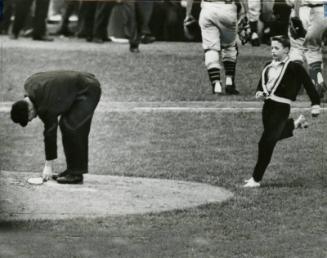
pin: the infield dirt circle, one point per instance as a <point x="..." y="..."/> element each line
<point x="99" y="196"/>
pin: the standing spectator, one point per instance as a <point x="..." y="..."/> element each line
<point x="39" y="18"/>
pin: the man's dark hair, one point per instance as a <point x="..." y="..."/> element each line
<point x="283" y="40"/>
<point x="19" y="112"/>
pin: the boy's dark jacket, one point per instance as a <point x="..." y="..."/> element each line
<point x="294" y="77"/>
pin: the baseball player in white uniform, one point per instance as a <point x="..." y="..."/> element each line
<point x="218" y="23"/>
<point x="307" y="47"/>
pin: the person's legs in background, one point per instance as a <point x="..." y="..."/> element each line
<point x="131" y="26"/>
<point x="8" y="10"/>
<point x="144" y="9"/>
<point x="21" y="11"/>
<point x="39" y="22"/>
<point x="101" y="20"/>
<point x="86" y="19"/>
<point x="70" y="8"/>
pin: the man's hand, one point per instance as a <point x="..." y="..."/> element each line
<point x="315" y="110"/>
<point x="47" y="170"/>
<point x="260" y="95"/>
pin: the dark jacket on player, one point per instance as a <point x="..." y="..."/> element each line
<point x="53" y="94"/>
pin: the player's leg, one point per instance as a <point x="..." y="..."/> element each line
<point x="229" y="57"/>
<point x="253" y="15"/>
<point x="211" y="46"/>
<point x="313" y="42"/>
<point x="228" y="31"/>
<point x="297" y="51"/>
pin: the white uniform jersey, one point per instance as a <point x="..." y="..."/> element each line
<point x="306" y="2"/>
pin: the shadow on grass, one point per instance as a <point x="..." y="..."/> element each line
<point x="297" y="183"/>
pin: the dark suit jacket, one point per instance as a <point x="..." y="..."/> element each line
<point x="53" y="93"/>
<point x="295" y="75"/>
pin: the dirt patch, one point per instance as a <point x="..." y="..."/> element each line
<point x="99" y="196"/>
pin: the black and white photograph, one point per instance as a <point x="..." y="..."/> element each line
<point x="163" y="128"/>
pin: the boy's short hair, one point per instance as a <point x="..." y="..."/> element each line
<point x="283" y="40"/>
<point x="19" y="112"/>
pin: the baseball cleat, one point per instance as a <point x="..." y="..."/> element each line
<point x="301" y="122"/>
<point x="255" y="41"/>
<point x="230" y="90"/>
<point x="251" y="183"/>
<point x="217" y="89"/>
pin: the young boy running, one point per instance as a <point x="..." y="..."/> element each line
<point x="279" y="85"/>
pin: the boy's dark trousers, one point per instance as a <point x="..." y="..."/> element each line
<point x="75" y="128"/>
<point x="277" y="126"/>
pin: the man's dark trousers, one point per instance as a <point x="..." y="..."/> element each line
<point x="94" y="18"/>
<point x="39" y="20"/>
<point x="75" y="128"/>
<point x="277" y="126"/>
<point x="144" y="10"/>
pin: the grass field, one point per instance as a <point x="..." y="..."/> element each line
<point x="286" y="217"/>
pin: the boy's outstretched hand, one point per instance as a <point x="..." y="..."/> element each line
<point x="260" y="95"/>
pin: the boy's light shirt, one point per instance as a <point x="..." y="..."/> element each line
<point x="274" y="72"/>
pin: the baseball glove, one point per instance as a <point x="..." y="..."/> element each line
<point x="244" y="30"/>
<point x="190" y="27"/>
<point x="296" y="28"/>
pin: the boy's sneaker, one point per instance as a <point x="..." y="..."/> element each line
<point x="251" y="183"/>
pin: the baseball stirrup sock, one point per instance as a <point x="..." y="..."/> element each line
<point x="230" y="68"/>
<point x="254" y="26"/>
<point x="214" y="75"/>
<point x="315" y="69"/>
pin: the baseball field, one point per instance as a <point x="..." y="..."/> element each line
<point x="158" y="120"/>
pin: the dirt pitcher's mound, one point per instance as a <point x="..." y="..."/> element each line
<point x="99" y="196"/>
